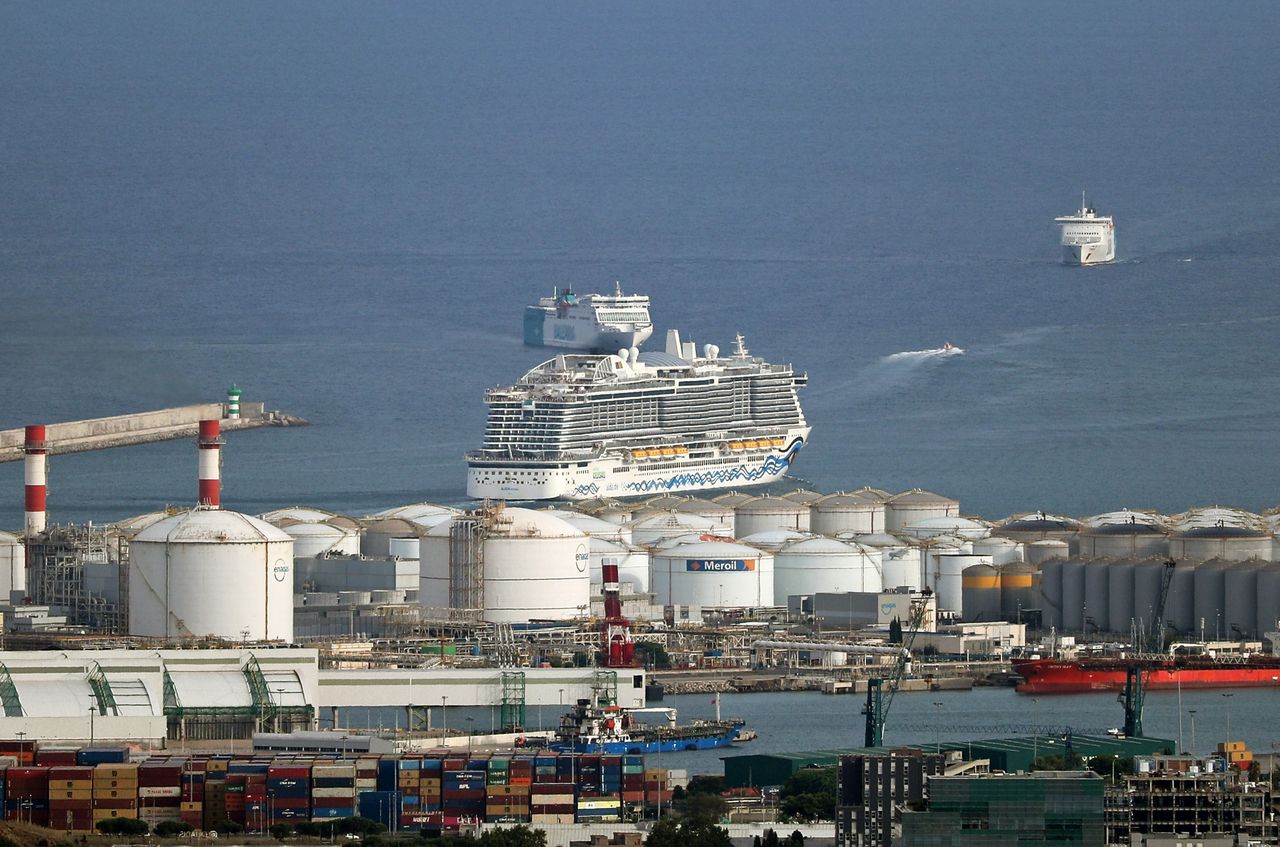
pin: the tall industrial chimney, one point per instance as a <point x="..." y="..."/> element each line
<point x="36" y="478"/>
<point x="210" y="446"/>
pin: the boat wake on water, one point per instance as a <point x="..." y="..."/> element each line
<point x="944" y="351"/>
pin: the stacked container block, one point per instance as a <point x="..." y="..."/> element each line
<point x="115" y="792"/>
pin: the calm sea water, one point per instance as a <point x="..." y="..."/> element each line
<point x="343" y="208"/>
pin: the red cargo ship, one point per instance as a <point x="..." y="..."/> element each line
<point x="1072" y="676"/>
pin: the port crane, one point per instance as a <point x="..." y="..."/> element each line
<point x="1134" y="692"/>
<point x="880" y="696"/>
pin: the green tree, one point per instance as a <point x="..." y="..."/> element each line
<point x="689" y="832"/>
<point x="280" y="831"/>
<point x="796" y="839"/>
<point x="122" y="826"/>
<point x="705" y="783"/>
<point x="515" y="836"/>
<point x="809" y="795"/>
<point x="227" y="827"/>
<point x="895" y="631"/>
<point x="168" y="829"/>
<point x="770" y="838"/>
<point x="706" y="806"/>
<point x="653" y="654"/>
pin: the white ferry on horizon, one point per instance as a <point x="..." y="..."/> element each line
<point x="1087" y="237"/>
<point x="631" y="424"/>
<point x="601" y="323"/>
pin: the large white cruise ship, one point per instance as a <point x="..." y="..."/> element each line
<point x="599" y="322"/>
<point x="1087" y="237"/>
<point x="632" y="423"/>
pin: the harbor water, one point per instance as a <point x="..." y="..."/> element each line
<point x="344" y="210"/>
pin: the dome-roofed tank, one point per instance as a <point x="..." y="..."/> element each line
<point x="899" y="562"/>
<point x="714" y="574"/>
<point x="804" y="495"/>
<point x="1124" y="533"/>
<point x="607" y="509"/>
<point x="664" y="502"/>
<point x="426" y="514"/>
<point x="1232" y="542"/>
<point x="1240" y="614"/>
<point x="381" y="534"/>
<point x="687" y="538"/>
<point x="129" y="527"/>
<point x="533" y="565"/>
<point x="211" y="572"/>
<point x="957" y="527"/>
<point x="824" y="565"/>
<point x="1050" y="594"/>
<point x="980" y="593"/>
<point x="733" y="499"/>
<point x="633" y="562"/>
<point x="650" y="529"/>
<point x="1001" y="550"/>
<point x="774" y="539"/>
<point x="591" y="525"/>
<point x="13" y="565"/>
<point x="1212" y="516"/>
<point x="916" y="505"/>
<point x="1037" y="526"/>
<point x="720" y="515"/>
<point x="945" y="577"/>
<point x="320" y="538"/>
<point x="1019" y="592"/>
<point x="859" y="512"/>
<point x="1039" y="552"/>
<point x="766" y="513"/>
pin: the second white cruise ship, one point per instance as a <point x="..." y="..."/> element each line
<point x="597" y="322"/>
<point x="1087" y="237"/>
<point x="632" y="423"/>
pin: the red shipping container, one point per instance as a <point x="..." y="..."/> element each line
<point x="295" y="771"/>
<point x="115" y="803"/>
<point x="71" y="805"/>
<point x="70" y="772"/>
<point x="56" y="757"/>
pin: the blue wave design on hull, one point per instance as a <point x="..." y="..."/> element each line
<point x="772" y="466"/>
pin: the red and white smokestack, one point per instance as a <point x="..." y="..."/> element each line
<point x="210" y="449"/>
<point x="612" y="590"/>
<point x="36" y="450"/>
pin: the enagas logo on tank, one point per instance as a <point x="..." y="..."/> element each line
<point x="719" y="565"/>
<point x="581" y="558"/>
<point x="280" y="571"/>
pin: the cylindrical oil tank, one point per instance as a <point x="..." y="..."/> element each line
<point x="425" y="514"/>
<point x="955" y="527"/>
<point x="210" y="572"/>
<point x="1051" y="594"/>
<point x="1039" y="552"/>
<point x="899" y="562"/>
<point x="948" y="579"/>
<point x="765" y="513"/>
<point x="607" y="509"/>
<point x="1120" y="595"/>
<point x="1147" y="574"/>
<point x="804" y="495"/>
<point x="917" y="505"/>
<point x="1037" y="526"/>
<point x="320" y="538"/>
<point x="633" y="562"/>
<point x="1210" y="583"/>
<point x="304" y="514"/>
<point x="855" y="512"/>
<point x="534" y="565"/>
<point x="1241" y="590"/>
<point x="927" y="553"/>
<point x="1073" y="595"/>
<point x="720" y="515"/>
<point x="980" y="593"/>
<point x="13" y="565"/>
<point x="649" y="530"/>
<point x="774" y="540"/>
<point x="1232" y="543"/>
<point x="1180" y="609"/>
<point x="1268" y="598"/>
<point x="1125" y="533"/>
<point x="404" y="548"/>
<point x="823" y="565"/>
<point x="1097" y="596"/>
<point x="716" y="574"/>
<point x="733" y="499"/>
<point x="592" y="526"/>
<point x="663" y="502"/>
<point x="1214" y="516"/>
<point x="1001" y="550"/>
<point x="1020" y="593"/>
<point x="378" y="532"/>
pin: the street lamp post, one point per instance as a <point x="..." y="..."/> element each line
<point x="444" y="720"/>
<point x="1192" y="712"/>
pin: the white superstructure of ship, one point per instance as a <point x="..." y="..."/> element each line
<point x="1087" y="237"/>
<point x="631" y="424"/>
<point x="595" y="322"/>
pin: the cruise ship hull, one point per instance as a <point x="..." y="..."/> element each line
<point x="1088" y="254"/>
<point x="615" y="476"/>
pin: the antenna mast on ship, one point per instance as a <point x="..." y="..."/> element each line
<point x="740" y="347"/>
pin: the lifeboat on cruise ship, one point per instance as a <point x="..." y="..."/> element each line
<point x="735" y="445"/>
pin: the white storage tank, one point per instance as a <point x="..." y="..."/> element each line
<point x="715" y="574"/>
<point x="1039" y="552"/>
<point x="1241" y="591"/>
<point x="607" y="509"/>
<point x="1120" y="595"/>
<point x="1125" y="533"/>
<point x="332" y="536"/>
<point x="733" y="499"/>
<point x="13" y="565"/>
<point x="426" y="515"/>
<point x="804" y="495"/>
<point x="818" y="565"/>
<point x="946" y="577"/>
<point x="633" y="563"/>
<point x="916" y="505"/>
<point x="1002" y="551"/>
<point x="376" y="541"/>
<point x="1037" y="526"/>
<point x="956" y="527"/>
<point x="899" y="563"/>
<point x="210" y="572"/>
<point x="774" y="540"/>
<point x="649" y="530"/>
<point x="663" y="502"/>
<point x="721" y="516"/>
<point x="534" y="566"/>
<point x="765" y="513"/>
<point x="1234" y="543"/>
<point x="857" y="512"/>
<point x="592" y="526"/>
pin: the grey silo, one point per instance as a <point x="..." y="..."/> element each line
<point x="980" y="593"/>
<point x="1050" y="591"/>
<point x="1124" y="534"/>
<point x="858" y="512"/>
<point x="1073" y="595"/>
<point x="1210" y="598"/>
<point x="1019" y="591"/>
<point x="1241" y="590"/>
<point x="1268" y="598"/>
<point x="1120" y="589"/>
<point x="1097" y="594"/>
<point x="1180" y="608"/>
